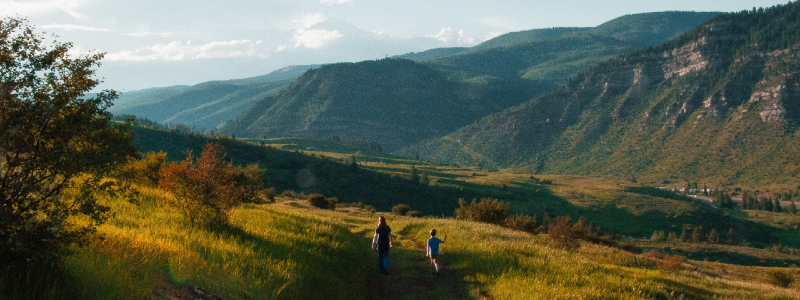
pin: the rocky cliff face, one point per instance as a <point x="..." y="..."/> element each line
<point x="719" y="104"/>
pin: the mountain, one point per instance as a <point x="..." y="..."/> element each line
<point x="208" y="104"/>
<point x="719" y="104"/>
<point x="394" y="102"/>
<point x="399" y="102"/>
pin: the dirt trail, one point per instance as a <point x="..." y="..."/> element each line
<point x="410" y="275"/>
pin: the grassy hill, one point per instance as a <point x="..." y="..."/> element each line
<point x="288" y="250"/>
<point x="716" y="105"/>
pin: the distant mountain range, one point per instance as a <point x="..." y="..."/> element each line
<point x="719" y="104"/>
<point x="206" y="105"/>
<point x="397" y="103"/>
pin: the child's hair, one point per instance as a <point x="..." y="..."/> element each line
<point x="433" y="232"/>
<point x="381" y="222"/>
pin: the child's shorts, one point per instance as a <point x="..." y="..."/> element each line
<point x="434" y="256"/>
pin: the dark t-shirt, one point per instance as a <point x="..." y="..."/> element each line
<point x="383" y="237"/>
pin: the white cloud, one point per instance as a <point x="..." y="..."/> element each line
<point x="499" y="22"/>
<point x="491" y="35"/>
<point x="26" y="9"/>
<point x="147" y="33"/>
<point x="310" y="20"/>
<point x="315" y="38"/>
<point x="332" y="2"/>
<point x="448" y="34"/>
<point x="73" y="27"/>
<point x="177" y="50"/>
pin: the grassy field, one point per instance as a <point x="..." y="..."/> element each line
<point x="288" y="250"/>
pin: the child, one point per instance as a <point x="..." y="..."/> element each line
<point x="432" y="250"/>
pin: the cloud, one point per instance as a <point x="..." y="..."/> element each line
<point x="499" y="22"/>
<point x="176" y="51"/>
<point x="332" y="2"/>
<point x="315" y="38"/>
<point x="310" y="20"/>
<point x="147" y="33"/>
<point x="41" y="7"/>
<point x="73" y="27"/>
<point x="448" y="34"/>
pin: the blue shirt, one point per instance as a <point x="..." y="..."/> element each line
<point x="433" y="245"/>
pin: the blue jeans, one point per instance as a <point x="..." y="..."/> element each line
<point x="383" y="260"/>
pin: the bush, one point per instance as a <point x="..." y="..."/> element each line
<point x="143" y="171"/>
<point x="488" y="210"/>
<point x="400" y="209"/>
<point x="780" y="278"/>
<point x="332" y="202"/>
<point x="522" y="223"/>
<point x="318" y="201"/>
<point x="254" y="181"/>
<point x="671" y="263"/>
<point x="205" y="191"/>
<point x="414" y="214"/>
<point x="564" y="234"/>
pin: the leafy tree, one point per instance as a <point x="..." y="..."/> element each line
<point x="144" y="170"/>
<point x="564" y="234"/>
<point x="205" y="191"/>
<point x="318" y="201"/>
<point x="400" y="209"/>
<point x="53" y="137"/>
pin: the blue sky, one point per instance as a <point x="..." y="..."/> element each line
<point x="162" y="43"/>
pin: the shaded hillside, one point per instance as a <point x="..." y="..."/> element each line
<point x="396" y="103"/>
<point x="393" y="102"/>
<point x="650" y="29"/>
<point x="719" y="104"/>
<point x="208" y="104"/>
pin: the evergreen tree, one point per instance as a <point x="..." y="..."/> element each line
<point x="353" y="163"/>
<point x="776" y="206"/>
<point x="672" y="237"/>
<point x="698" y="235"/>
<point x="732" y="238"/>
<point x="792" y="209"/>
<point x="685" y="235"/>
<point x="424" y="180"/>
<point x="713" y="236"/>
<point x="413" y="175"/>
<point x="705" y="190"/>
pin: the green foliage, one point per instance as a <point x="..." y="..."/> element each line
<point x="488" y="210"/>
<point x="255" y="183"/>
<point x="414" y="214"/>
<point x="564" y="234"/>
<point x="56" y="144"/>
<point x="318" y="201"/>
<point x="780" y="278"/>
<point x="400" y="209"/>
<point x="713" y="236"/>
<point x="143" y="171"/>
<point x="522" y="223"/>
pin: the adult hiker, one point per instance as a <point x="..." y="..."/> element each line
<point x="382" y="240"/>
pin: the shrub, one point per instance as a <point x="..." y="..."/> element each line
<point x="318" y="201"/>
<point x="400" y="209"/>
<point x="657" y="236"/>
<point x="143" y="171"/>
<point x="780" y="278"/>
<point x="414" y="214"/>
<point x="488" y="210"/>
<point x="289" y="194"/>
<point x="332" y="202"/>
<point x="254" y="181"/>
<point x="563" y="234"/>
<point x="671" y="263"/>
<point x="205" y="191"/>
<point x="522" y="223"/>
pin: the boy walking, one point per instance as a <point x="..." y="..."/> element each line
<point x="432" y="250"/>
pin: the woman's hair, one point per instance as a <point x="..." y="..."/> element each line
<point x="381" y="222"/>
<point x="433" y="232"/>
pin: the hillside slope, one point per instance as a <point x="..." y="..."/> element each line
<point x="397" y="103"/>
<point x="719" y="104"/>
<point x="208" y="104"/>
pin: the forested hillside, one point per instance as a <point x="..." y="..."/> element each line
<point x="719" y="104"/>
<point x="397" y="103"/>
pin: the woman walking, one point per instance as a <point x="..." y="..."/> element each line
<point x="382" y="240"/>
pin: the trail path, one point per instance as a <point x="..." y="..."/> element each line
<point x="410" y="274"/>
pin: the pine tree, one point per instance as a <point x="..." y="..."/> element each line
<point x="792" y="209"/>
<point x="685" y="235"/>
<point x="698" y="235"/>
<point x="705" y="190"/>
<point x="424" y="180"/>
<point x="353" y="163"/>
<point x="672" y="237"/>
<point x="776" y="206"/>
<point x="713" y="236"/>
<point x="732" y="238"/>
<point x="412" y="174"/>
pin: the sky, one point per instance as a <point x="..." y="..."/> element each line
<point x="151" y="43"/>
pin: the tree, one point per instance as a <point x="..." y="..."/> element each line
<point x="698" y="235"/>
<point x="792" y="208"/>
<point x="400" y="209"/>
<point x="776" y="206"/>
<point x="424" y="179"/>
<point x="53" y="137"/>
<point x="205" y="191"/>
<point x="732" y="238"/>
<point x="488" y="210"/>
<point x="413" y="175"/>
<point x="713" y="236"/>
<point x="685" y="236"/>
